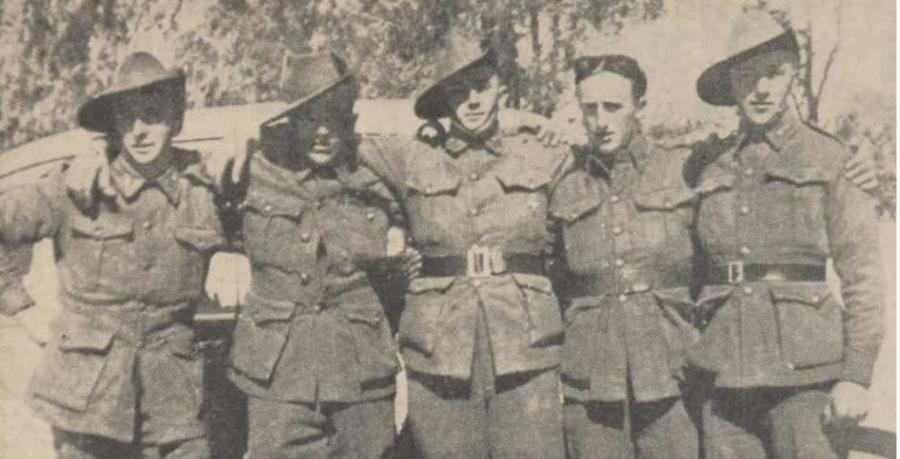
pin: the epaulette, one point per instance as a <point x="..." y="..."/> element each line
<point x="704" y="153"/>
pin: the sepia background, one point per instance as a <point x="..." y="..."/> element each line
<point x="54" y="54"/>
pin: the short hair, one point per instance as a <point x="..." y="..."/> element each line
<point x="619" y="64"/>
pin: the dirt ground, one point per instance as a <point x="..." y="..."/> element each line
<point x="24" y="437"/>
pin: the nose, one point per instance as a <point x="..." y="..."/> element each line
<point x="139" y="128"/>
<point x="323" y="135"/>
<point x="472" y="102"/>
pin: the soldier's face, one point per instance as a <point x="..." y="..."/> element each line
<point x="762" y="83"/>
<point x="474" y="95"/>
<point x="144" y="124"/>
<point x="322" y="131"/>
<point x="609" y="110"/>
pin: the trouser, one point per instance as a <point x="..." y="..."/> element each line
<point x="508" y="416"/>
<point x="330" y="429"/>
<point x="72" y="445"/>
<point x="645" y="430"/>
<point x="769" y="423"/>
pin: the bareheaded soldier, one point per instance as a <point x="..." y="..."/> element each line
<point x="481" y="330"/>
<point x="312" y="348"/>
<point x="119" y="377"/>
<point x="791" y="362"/>
<point x="625" y="214"/>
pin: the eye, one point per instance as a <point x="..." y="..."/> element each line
<point x="590" y="109"/>
<point x="611" y="107"/>
<point x="481" y="85"/>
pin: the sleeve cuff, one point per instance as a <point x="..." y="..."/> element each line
<point x="15" y="299"/>
<point x="858" y="372"/>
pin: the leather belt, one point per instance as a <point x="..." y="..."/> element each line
<point x="482" y="262"/>
<point x="596" y="284"/>
<point x="737" y="272"/>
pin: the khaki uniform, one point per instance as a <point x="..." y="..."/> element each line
<point x="120" y="365"/>
<point x="482" y="349"/>
<point x="775" y="206"/>
<point x="312" y="348"/>
<point x="626" y="230"/>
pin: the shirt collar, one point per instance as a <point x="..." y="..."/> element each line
<point x="635" y="153"/>
<point x="777" y="134"/>
<point x="458" y="141"/>
<point x="129" y="182"/>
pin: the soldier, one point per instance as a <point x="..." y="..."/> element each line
<point x="789" y="361"/>
<point x="625" y="213"/>
<point x="119" y="377"/>
<point x="481" y="331"/>
<point x="312" y="348"/>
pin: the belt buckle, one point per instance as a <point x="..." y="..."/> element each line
<point x="479" y="261"/>
<point x="735" y="272"/>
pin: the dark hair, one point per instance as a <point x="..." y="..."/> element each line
<point x="616" y="63"/>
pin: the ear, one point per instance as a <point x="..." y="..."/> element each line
<point x="640" y="104"/>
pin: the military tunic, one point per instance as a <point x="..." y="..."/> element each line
<point x="775" y="206"/>
<point x="626" y="232"/>
<point x="120" y="360"/>
<point x="313" y="329"/>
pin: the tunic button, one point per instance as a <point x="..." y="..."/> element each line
<point x="816" y="298"/>
<point x="749" y="172"/>
<point x="620" y="262"/>
<point x="304" y="279"/>
<point x="790" y="366"/>
<point x="617" y="230"/>
<point x="476" y="282"/>
<point x="370" y="215"/>
<point x="745" y="250"/>
<point x="473" y="212"/>
<point x="748" y="290"/>
<point x="147" y="224"/>
<point x="304" y="237"/>
<point x="745" y="210"/>
<point x="623" y="298"/>
<point x="473" y="176"/>
<point x="268" y="208"/>
<point x="317" y="308"/>
<point x="614" y="198"/>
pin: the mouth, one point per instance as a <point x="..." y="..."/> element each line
<point x="474" y="116"/>
<point x="761" y="104"/>
<point x="141" y="146"/>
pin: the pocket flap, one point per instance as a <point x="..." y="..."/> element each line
<point x="283" y="205"/>
<point x="714" y="294"/>
<point x="82" y="335"/>
<point x="533" y="282"/>
<point x="262" y="310"/>
<point x="810" y="294"/>
<point x="680" y="297"/>
<point x="181" y="344"/>
<point x="714" y="183"/>
<point x="201" y="238"/>
<point x="799" y="175"/>
<point x="102" y="228"/>
<point x="667" y="199"/>
<point x="573" y="210"/>
<point x="433" y="184"/>
<point x="425" y="284"/>
<point x="520" y="176"/>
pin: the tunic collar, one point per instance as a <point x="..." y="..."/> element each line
<point x="129" y="182"/>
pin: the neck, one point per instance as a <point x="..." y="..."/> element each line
<point x="482" y="135"/>
<point x="155" y="168"/>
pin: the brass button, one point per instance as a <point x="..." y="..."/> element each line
<point x="304" y="237"/>
<point x="790" y="366"/>
<point x="745" y="250"/>
<point x="614" y="198"/>
<point x="623" y="298"/>
<point x="620" y="262"/>
<point x="304" y="278"/>
<point x="317" y="308"/>
<point x="617" y="230"/>
<point x="476" y="282"/>
<point x="147" y="224"/>
<point x="748" y="290"/>
<point x="473" y="212"/>
<point x="816" y="298"/>
<point x="748" y="172"/>
<point x="745" y="210"/>
<point x="370" y="215"/>
<point x="268" y="208"/>
<point x="474" y="176"/>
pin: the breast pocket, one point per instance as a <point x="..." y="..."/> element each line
<point x="795" y="200"/>
<point x="661" y="215"/>
<point x="271" y="229"/>
<point x="810" y="324"/>
<point x="74" y="363"/>
<point x="432" y="207"/>
<point x="100" y="248"/>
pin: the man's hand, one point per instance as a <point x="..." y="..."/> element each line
<point x="512" y="121"/>
<point x="849" y="404"/>
<point x="861" y="170"/>
<point x="411" y="264"/>
<point x="88" y="173"/>
<point x="226" y="167"/>
<point x="35" y="325"/>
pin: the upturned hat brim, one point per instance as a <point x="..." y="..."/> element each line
<point x="334" y="85"/>
<point x="714" y="84"/>
<point x="97" y="113"/>
<point x="431" y="102"/>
